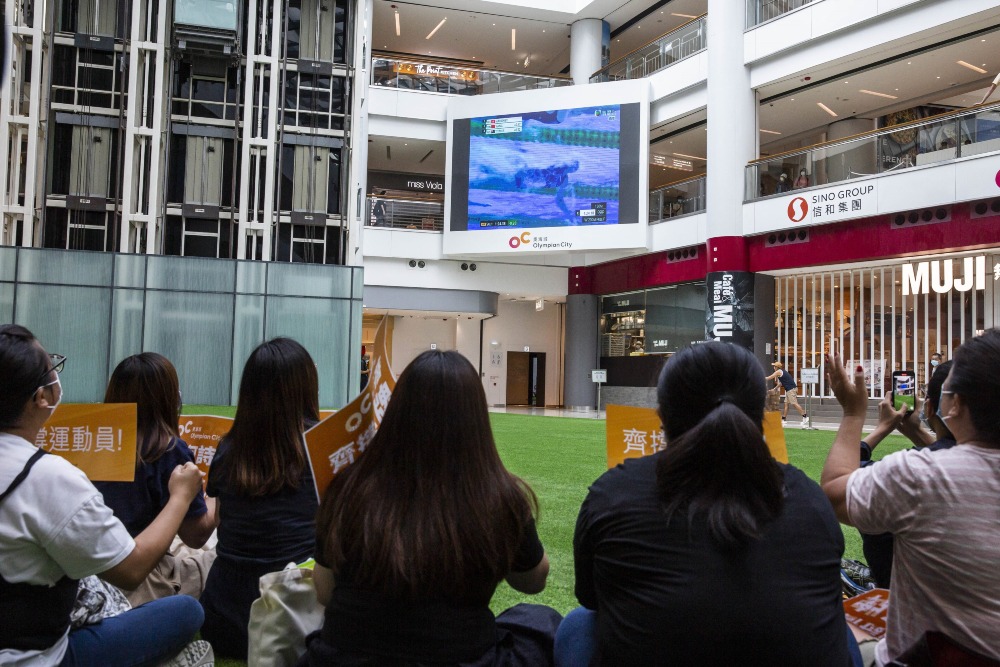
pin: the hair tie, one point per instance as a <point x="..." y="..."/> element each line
<point x="725" y="398"/>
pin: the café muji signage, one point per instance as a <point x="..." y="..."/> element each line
<point x="945" y="275"/>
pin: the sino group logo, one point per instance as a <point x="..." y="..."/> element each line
<point x="524" y="238"/>
<point x="798" y="209"/>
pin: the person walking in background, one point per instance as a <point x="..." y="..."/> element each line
<point x="942" y="507"/>
<point x="150" y="381"/>
<point x="709" y="552"/>
<point x="264" y="493"/>
<point x="55" y="530"/>
<point x="784" y="379"/>
<point x="414" y="537"/>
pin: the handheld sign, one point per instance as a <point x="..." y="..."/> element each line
<point x="98" y="438"/>
<point x="334" y="443"/>
<point x="809" y="375"/>
<point x="868" y="611"/>
<point x="202" y="434"/>
<point x="634" y="432"/>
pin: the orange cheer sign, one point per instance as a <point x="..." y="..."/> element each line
<point x="334" y="443"/>
<point x="202" y="433"/>
<point x="98" y="438"/>
<point x="632" y="432"/>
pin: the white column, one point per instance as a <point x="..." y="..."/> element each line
<point x="732" y="120"/>
<point x="354" y="207"/>
<point x="585" y="49"/>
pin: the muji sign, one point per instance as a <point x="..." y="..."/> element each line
<point x="940" y="276"/>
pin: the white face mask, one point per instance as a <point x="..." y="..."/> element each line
<point x="57" y="383"/>
<point x="934" y="362"/>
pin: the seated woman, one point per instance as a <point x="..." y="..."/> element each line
<point x="942" y="507"/>
<point x="263" y="488"/>
<point x="414" y="536"/>
<point x="709" y="552"/>
<point x="150" y="381"/>
<point x="55" y="529"/>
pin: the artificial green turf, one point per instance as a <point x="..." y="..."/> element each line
<point x="560" y="457"/>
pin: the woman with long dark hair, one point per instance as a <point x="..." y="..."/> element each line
<point x="265" y="497"/>
<point x="55" y="530"/>
<point x="414" y="537"/>
<point x="709" y="552"/>
<point x="150" y="381"/>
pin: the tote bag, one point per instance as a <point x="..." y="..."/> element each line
<point x="282" y="616"/>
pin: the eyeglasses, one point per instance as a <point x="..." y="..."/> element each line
<point x="56" y="363"/>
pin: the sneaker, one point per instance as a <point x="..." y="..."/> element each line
<point x="196" y="654"/>
<point x="805" y="423"/>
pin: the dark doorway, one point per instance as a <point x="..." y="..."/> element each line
<point x="526" y="379"/>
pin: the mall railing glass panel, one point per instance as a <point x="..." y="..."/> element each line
<point x="664" y="51"/>
<point x="205" y="315"/>
<point x="435" y="78"/>
<point x="759" y="11"/>
<point x="945" y="137"/>
<point x="406" y="213"/>
<point x="677" y="199"/>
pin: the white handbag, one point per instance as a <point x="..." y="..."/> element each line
<point x="282" y="616"/>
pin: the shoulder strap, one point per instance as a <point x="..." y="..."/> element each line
<point x="21" y="475"/>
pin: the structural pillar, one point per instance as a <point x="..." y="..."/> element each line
<point x="732" y="143"/>
<point x="588" y="48"/>
<point x="581" y="355"/>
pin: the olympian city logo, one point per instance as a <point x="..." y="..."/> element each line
<point x="798" y="209"/>
<point x="523" y="239"/>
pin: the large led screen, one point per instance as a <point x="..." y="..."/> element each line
<point x="547" y="179"/>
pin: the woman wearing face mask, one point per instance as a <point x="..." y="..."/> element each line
<point x="150" y="381"/>
<point x="878" y="547"/>
<point x="55" y="529"/>
<point x="943" y="507"/>
<point x="803" y="180"/>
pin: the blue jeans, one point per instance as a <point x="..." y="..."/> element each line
<point x="576" y="640"/>
<point x="146" y="635"/>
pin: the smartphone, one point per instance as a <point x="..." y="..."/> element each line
<point x="904" y="390"/>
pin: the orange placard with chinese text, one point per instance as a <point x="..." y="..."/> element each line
<point x="633" y="432"/>
<point x="202" y="433"/>
<point x="868" y="611"/>
<point x="98" y="438"/>
<point x="335" y="442"/>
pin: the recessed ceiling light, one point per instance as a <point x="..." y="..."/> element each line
<point x="543" y="29"/>
<point x="826" y="109"/>
<point x="513" y="39"/>
<point x="683" y="16"/>
<point x="436" y="28"/>
<point x="877" y="94"/>
<point x="693" y="157"/>
<point x="970" y="66"/>
<point x="847" y="82"/>
<point x="910" y="63"/>
<point x="939" y="77"/>
<point x="397" y="24"/>
<point x="769" y="131"/>
<point x="793" y="99"/>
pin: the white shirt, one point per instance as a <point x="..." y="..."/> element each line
<point x="943" y="509"/>
<point x="54" y="524"/>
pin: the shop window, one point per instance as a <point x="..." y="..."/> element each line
<point x="317" y="30"/>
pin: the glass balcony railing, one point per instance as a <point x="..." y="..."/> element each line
<point x="431" y="77"/>
<point x="406" y="213"/>
<point x="677" y="199"/>
<point x="940" y="138"/>
<point x="663" y="52"/>
<point x="759" y="11"/>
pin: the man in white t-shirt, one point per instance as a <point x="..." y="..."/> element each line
<point x="942" y="507"/>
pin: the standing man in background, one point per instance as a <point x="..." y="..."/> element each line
<point x="785" y="380"/>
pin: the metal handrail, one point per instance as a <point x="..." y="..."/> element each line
<point x="762" y="11"/>
<point x="452" y="79"/>
<point x="661" y="210"/>
<point x="405" y="213"/>
<point x="683" y="181"/>
<point x="676" y="45"/>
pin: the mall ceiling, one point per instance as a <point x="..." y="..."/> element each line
<point x="513" y="41"/>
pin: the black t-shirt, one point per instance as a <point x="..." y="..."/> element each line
<point x="138" y="502"/>
<point x="260" y="529"/>
<point x="361" y="622"/>
<point x="666" y="595"/>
